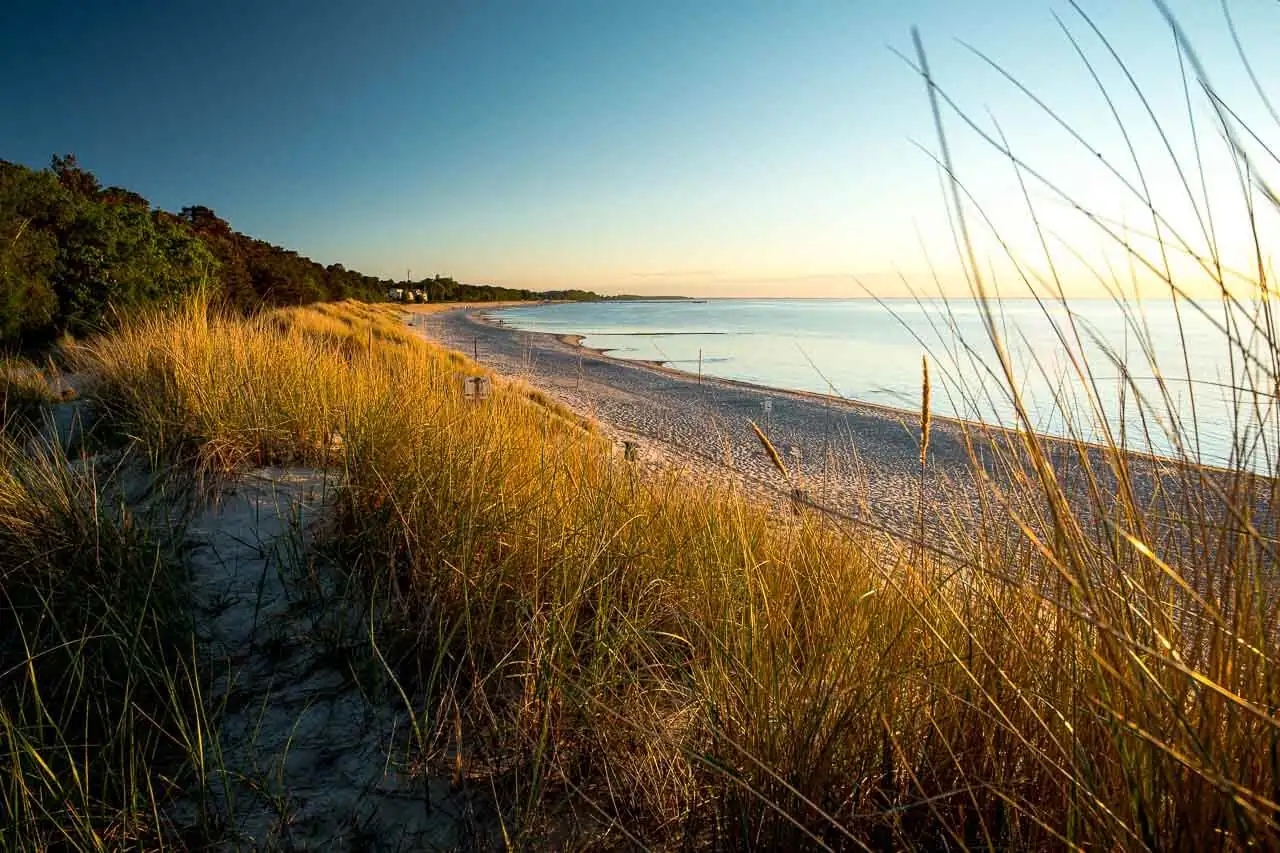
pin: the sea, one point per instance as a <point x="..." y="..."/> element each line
<point x="1162" y="377"/>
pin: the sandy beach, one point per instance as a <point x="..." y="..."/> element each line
<point x="861" y="460"/>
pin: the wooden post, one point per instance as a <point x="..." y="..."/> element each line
<point x="699" y="365"/>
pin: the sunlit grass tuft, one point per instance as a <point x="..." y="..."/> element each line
<point x="25" y="389"/>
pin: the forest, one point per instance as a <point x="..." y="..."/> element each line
<point x="75" y="255"/>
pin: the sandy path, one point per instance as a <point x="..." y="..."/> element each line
<point x="304" y="755"/>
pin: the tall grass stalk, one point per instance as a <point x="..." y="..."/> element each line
<point x="926" y="422"/>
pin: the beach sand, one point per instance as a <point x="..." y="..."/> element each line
<point x="856" y="461"/>
<point x="860" y="460"/>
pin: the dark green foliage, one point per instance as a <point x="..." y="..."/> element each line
<point x="119" y="257"/>
<point x="71" y="253"/>
<point x="32" y="206"/>
<point x="80" y="182"/>
<point x="74" y="255"/>
<point x="254" y="273"/>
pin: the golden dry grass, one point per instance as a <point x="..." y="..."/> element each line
<point x="24" y="389"/>
<point x="691" y="666"/>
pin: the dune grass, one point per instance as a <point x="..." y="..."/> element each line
<point x="24" y="390"/>
<point x="1092" y="667"/>
<point x="98" y="706"/>
<point x="691" y="666"/>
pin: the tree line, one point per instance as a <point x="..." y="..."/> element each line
<point x="445" y="289"/>
<point x="74" y="255"/>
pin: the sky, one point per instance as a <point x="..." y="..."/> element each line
<point x="704" y="147"/>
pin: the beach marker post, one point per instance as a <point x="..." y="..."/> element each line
<point x="699" y="365"/>
<point x="767" y="405"/>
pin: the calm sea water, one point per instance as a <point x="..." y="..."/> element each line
<point x="864" y="350"/>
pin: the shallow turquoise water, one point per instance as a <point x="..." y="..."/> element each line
<point x="866" y="350"/>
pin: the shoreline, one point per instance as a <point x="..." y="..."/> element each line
<point x="858" y="460"/>
<point x="575" y="341"/>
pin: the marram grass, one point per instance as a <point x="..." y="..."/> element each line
<point x="98" y="709"/>
<point x="691" y="666"/>
<point x="24" y="390"/>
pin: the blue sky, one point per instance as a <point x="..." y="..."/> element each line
<point x="704" y="147"/>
